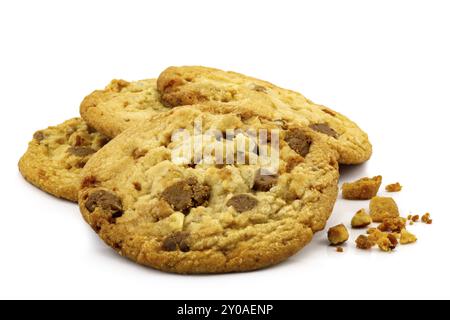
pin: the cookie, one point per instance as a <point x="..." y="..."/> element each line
<point x="121" y="105"/>
<point x="56" y="156"/>
<point x="190" y="85"/>
<point x="190" y="215"/>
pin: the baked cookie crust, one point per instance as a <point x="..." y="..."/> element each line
<point x="207" y="218"/>
<point x="56" y="156"/>
<point x="188" y="85"/>
<point x="121" y="105"/>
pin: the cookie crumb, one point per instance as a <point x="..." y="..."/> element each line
<point x="388" y="243"/>
<point x="382" y="208"/>
<point x="364" y="243"/>
<point x="338" y="235"/>
<point x="392" y="224"/>
<point x="415" y="218"/>
<point x="394" y="187"/>
<point x="426" y="218"/>
<point x="361" y="219"/>
<point x="339" y="249"/>
<point x="407" y="237"/>
<point x="363" y="189"/>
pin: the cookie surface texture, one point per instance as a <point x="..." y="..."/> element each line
<point x="121" y="105"/>
<point x="190" y="85"/>
<point x="56" y="156"/>
<point x="202" y="217"/>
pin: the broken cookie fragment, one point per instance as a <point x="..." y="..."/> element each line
<point x="105" y="200"/>
<point x="394" y="187"/>
<point x="407" y="237"/>
<point x="186" y="194"/>
<point x="426" y="218"/>
<point x="387" y="243"/>
<point x="364" y="243"/>
<point x="298" y="141"/>
<point x="361" y="219"/>
<point x="363" y="189"/>
<point x="338" y="235"/>
<point x="382" y="208"/>
<point x="242" y="202"/>
<point x="396" y="224"/>
<point x="325" y="129"/>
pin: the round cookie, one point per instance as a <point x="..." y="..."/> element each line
<point x="190" y="85"/>
<point x="121" y="105"/>
<point x="200" y="217"/>
<point x="56" y="156"/>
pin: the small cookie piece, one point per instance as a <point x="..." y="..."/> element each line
<point x="394" y="187"/>
<point x="382" y="208"/>
<point x="121" y="105"/>
<point x="56" y="156"/>
<point x="407" y="237"/>
<point x="338" y="235"/>
<point x="181" y="86"/>
<point x="363" y="189"/>
<point x="426" y="218"/>
<point x="396" y="224"/>
<point x="361" y="219"/>
<point x="363" y="243"/>
<point x="339" y="250"/>
<point x="387" y="243"/>
<point x="198" y="217"/>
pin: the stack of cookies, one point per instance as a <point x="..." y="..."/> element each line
<point x="200" y="170"/>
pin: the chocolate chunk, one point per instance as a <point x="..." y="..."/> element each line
<point x="298" y="141"/>
<point x="176" y="241"/>
<point x="169" y="244"/>
<point x="91" y="130"/>
<point x="79" y="141"/>
<point x="259" y="88"/>
<point x="105" y="200"/>
<point x="330" y="112"/>
<point x="139" y="153"/>
<point x="137" y="186"/>
<point x="242" y="203"/>
<point x="186" y="194"/>
<point x="39" y="136"/>
<point x="179" y="196"/>
<point x="264" y="182"/>
<point x="81" y="151"/>
<point x="89" y="182"/>
<point x="325" y="129"/>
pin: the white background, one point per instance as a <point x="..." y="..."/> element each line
<point x="385" y="64"/>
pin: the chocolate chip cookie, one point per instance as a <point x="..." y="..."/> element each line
<point x="121" y="105"/>
<point x="180" y="86"/>
<point x="56" y="156"/>
<point x="180" y="213"/>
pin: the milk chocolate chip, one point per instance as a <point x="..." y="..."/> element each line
<point x="81" y="151"/>
<point x="259" y="88"/>
<point x="176" y="241"/>
<point x="105" y="200"/>
<point x="242" y="203"/>
<point x="264" y="182"/>
<point x="325" y="129"/>
<point x="186" y="194"/>
<point x="39" y="136"/>
<point x="298" y="141"/>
